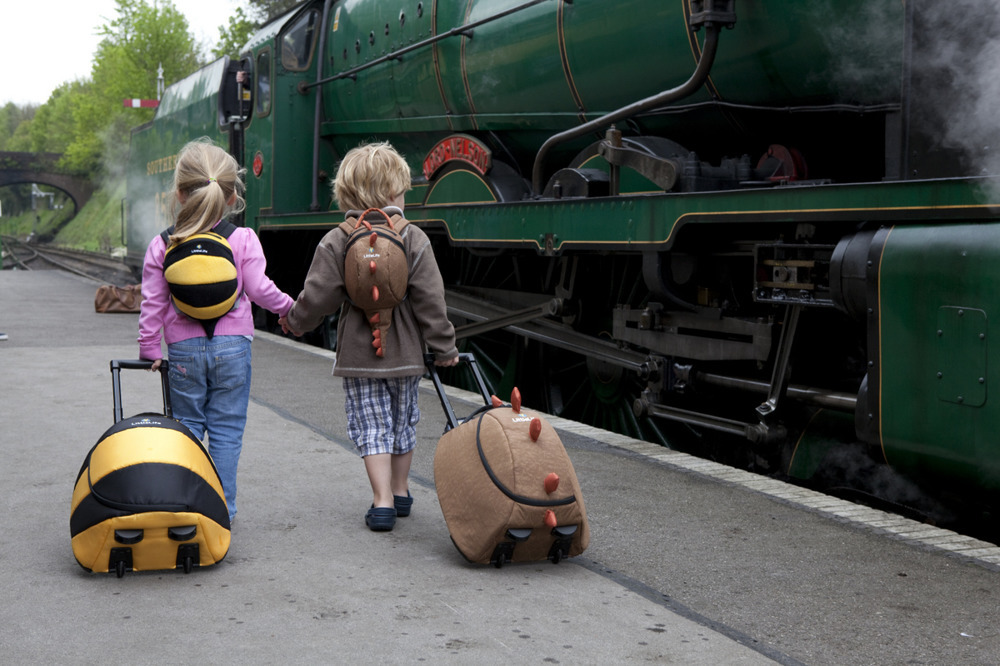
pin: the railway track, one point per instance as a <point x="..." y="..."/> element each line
<point x="100" y="268"/>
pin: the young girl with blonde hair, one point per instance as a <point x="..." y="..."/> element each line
<point x="209" y="374"/>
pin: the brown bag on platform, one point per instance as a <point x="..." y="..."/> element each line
<point x="110" y="298"/>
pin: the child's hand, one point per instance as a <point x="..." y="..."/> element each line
<point x="283" y="321"/>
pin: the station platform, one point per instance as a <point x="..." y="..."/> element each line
<point x="689" y="562"/>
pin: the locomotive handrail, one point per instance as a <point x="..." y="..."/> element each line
<point x="317" y="112"/>
<point x="687" y="88"/>
<point x="395" y="55"/>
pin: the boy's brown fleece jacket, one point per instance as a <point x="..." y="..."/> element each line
<point x="421" y="319"/>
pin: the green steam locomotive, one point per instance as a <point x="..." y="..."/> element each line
<point x="765" y="231"/>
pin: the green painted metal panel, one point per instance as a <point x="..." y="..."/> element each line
<point x="293" y="115"/>
<point x="510" y="70"/>
<point x="548" y="66"/>
<point x="960" y="355"/>
<point x="459" y="184"/>
<point x="938" y="287"/>
<point x="652" y="221"/>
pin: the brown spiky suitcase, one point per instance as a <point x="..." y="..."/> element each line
<point x="506" y="486"/>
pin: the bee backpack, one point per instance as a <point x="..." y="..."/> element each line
<point x="506" y="487"/>
<point x="200" y="272"/>
<point x="148" y="495"/>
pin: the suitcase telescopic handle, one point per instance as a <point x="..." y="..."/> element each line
<point x="116" y="385"/>
<point x="470" y="360"/>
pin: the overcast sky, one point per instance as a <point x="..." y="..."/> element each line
<point x="44" y="43"/>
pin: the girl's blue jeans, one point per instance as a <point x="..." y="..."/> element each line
<point x="209" y="393"/>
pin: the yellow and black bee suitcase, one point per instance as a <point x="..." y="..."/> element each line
<point x="148" y="495"/>
<point x="506" y="486"/>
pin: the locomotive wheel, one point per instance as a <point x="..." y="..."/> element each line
<point x="553" y="380"/>
<point x="594" y="392"/>
<point x="559" y="383"/>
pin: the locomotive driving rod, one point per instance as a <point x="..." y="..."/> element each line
<point x="530" y="323"/>
<point x="689" y="87"/>
<point x="844" y="402"/>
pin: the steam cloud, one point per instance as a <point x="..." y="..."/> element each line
<point x="956" y="62"/>
<point x="954" y="75"/>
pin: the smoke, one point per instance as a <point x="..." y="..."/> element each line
<point x="147" y="188"/>
<point x="147" y="216"/>
<point x="865" y="46"/>
<point x="953" y="75"/>
<point x="956" y="76"/>
<point x="850" y="472"/>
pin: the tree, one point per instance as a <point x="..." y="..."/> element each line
<point x="235" y="35"/>
<point x="265" y="10"/>
<point x="134" y="45"/>
<point x="14" y="123"/>
<point x="242" y="24"/>
<point x="52" y="130"/>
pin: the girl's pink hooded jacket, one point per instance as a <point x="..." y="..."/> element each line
<point x="158" y="312"/>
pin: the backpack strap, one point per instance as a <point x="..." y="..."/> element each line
<point x="224" y="229"/>
<point x="396" y="221"/>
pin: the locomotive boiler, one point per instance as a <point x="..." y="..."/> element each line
<point x="767" y="232"/>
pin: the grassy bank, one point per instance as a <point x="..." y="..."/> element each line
<point x="97" y="227"/>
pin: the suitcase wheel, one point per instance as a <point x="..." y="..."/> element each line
<point x="563" y="540"/>
<point x="120" y="560"/>
<point x="504" y="551"/>
<point x="187" y="556"/>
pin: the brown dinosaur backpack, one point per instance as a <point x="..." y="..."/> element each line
<point x="376" y="269"/>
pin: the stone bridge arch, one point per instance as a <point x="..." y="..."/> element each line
<point x="24" y="168"/>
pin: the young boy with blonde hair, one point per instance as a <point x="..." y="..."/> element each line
<point x="380" y="391"/>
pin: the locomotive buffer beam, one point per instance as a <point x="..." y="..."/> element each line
<point x="533" y="327"/>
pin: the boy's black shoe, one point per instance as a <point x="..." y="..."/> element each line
<point x="380" y="519"/>
<point x="403" y="504"/>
